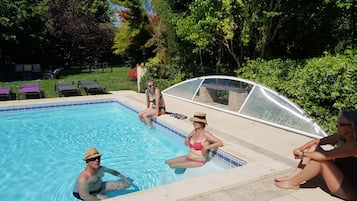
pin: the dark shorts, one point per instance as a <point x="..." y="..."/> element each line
<point x="76" y="194"/>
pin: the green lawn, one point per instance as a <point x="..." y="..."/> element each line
<point x="116" y="80"/>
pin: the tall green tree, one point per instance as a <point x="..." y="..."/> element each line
<point x="163" y="33"/>
<point x="209" y="24"/>
<point x="154" y="34"/>
<point x="22" y="30"/>
<point x="131" y="33"/>
<point x="227" y="32"/>
<point x="81" y="31"/>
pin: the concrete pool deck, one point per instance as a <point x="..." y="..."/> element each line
<point x="267" y="151"/>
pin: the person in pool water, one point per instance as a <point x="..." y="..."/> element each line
<point x="89" y="185"/>
<point x="199" y="141"/>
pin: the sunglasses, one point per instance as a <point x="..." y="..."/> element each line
<point x="150" y="85"/>
<point x="339" y="124"/>
<point x="93" y="159"/>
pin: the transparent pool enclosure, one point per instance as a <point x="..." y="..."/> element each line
<point x="246" y="99"/>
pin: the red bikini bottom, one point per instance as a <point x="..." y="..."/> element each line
<point x="194" y="160"/>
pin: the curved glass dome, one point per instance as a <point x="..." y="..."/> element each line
<point x="246" y="99"/>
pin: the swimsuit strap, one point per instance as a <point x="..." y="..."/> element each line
<point x="195" y="134"/>
<point x="189" y="141"/>
<point x="201" y="136"/>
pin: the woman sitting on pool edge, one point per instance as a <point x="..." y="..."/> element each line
<point x="155" y="104"/>
<point x="337" y="166"/>
<point x="199" y="141"/>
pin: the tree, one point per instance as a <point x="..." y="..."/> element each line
<point x="131" y="34"/>
<point x="209" y="23"/>
<point x="23" y="32"/>
<point x="227" y="31"/>
<point x="81" y="31"/>
<point x="322" y="86"/>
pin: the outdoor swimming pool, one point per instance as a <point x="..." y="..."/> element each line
<point x="43" y="146"/>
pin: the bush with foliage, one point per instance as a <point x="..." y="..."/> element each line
<point x="321" y="86"/>
<point x="162" y="83"/>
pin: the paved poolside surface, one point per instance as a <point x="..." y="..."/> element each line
<point x="267" y="151"/>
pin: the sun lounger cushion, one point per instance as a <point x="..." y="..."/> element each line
<point x="5" y="92"/>
<point x="91" y="87"/>
<point x="66" y="89"/>
<point x="36" y="68"/>
<point x="30" y="89"/>
<point x="27" y="67"/>
<point x="19" y="67"/>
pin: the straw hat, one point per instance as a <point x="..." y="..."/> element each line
<point x="199" y="117"/>
<point x="91" y="153"/>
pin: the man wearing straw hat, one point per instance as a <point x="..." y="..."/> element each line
<point x="89" y="185"/>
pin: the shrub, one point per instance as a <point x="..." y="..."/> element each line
<point x="174" y="77"/>
<point x="321" y="86"/>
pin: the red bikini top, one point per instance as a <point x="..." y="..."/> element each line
<point x="196" y="146"/>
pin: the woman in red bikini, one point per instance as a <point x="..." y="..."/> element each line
<point x="199" y="141"/>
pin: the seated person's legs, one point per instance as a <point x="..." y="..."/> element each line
<point x="183" y="162"/>
<point x="175" y="160"/>
<point x="141" y="114"/>
<point x="114" y="186"/>
<point x="147" y="116"/>
<point x="346" y="191"/>
<point x="109" y="186"/>
<point x="303" y="162"/>
<point x="339" y="184"/>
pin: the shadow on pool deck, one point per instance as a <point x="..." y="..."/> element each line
<point x="266" y="149"/>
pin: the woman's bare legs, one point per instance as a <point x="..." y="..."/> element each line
<point x="142" y="113"/>
<point x="334" y="180"/>
<point x="311" y="169"/>
<point x="298" y="169"/>
<point x="331" y="174"/>
<point x="175" y="160"/>
<point x="146" y="115"/>
<point x="181" y="162"/>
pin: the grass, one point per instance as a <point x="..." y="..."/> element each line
<point x="113" y="79"/>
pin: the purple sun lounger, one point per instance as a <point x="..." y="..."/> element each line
<point x="5" y="92"/>
<point x="30" y="90"/>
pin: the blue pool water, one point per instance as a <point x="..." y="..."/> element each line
<point x="42" y="149"/>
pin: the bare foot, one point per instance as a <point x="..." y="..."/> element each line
<point x="292" y="175"/>
<point x="286" y="185"/>
<point x="284" y="178"/>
